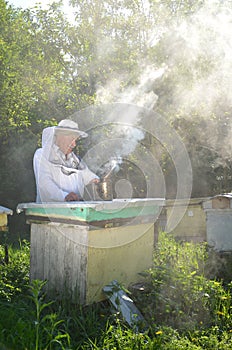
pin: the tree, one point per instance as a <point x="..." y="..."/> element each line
<point x="172" y="52"/>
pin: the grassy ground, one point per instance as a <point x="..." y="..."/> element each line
<point x="185" y="299"/>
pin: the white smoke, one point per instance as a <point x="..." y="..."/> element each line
<point x="203" y="46"/>
<point x="131" y="137"/>
<point x="140" y="95"/>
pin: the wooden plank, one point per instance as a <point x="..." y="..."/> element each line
<point x="46" y="263"/>
<point x="59" y="255"/>
<point x="79" y="264"/>
<point x="93" y="224"/>
<point x="33" y="252"/>
<point x="55" y="261"/>
<point x="60" y="258"/>
<point x="37" y="252"/>
<point x="68" y="260"/>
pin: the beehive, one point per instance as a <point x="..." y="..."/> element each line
<point x="81" y="247"/>
<point x="4" y="212"/>
<point x="218" y="211"/>
<point x="192" y="223"/>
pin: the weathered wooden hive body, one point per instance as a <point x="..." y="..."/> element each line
<point x="218" y="211"/>
<point x="4" y="212"/>
<point x="80" y="247"/>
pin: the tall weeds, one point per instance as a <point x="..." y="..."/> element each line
<point x="179" y="293"/>
<point x="184" y="305"/>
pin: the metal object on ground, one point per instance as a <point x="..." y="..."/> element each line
<point x="125" y="306"/>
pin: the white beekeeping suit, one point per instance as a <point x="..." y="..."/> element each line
<point x="57" y="175"/>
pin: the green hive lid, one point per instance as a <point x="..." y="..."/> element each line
<point x="94" y="211"/>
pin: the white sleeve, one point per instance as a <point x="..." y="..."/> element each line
<point x="47" y="189"/>
<point x="88" y="175"/>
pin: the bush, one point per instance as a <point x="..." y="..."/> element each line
<point x="14" y="274"/>
<point x="178" y="294"/>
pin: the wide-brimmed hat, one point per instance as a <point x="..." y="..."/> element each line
<point x="68" y="126"/>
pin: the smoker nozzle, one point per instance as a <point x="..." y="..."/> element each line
<point x="109" y="173"/>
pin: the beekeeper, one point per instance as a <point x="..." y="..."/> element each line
<point x="59" y="173"/>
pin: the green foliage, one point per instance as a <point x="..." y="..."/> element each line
<point x="184" y="308"/>
<point x="47" y="334"/>
<point x="14" y="276"/>
<point x="181" y="295"/>
<point x="50" y="68"/>
<point x="118" y="337"/>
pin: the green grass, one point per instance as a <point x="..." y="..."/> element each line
<point x="185" y="299"/>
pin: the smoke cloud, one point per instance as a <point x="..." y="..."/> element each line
<point x="191" y="82"/>
<point x="197" y="52"/>
<point x="141" y="95"/>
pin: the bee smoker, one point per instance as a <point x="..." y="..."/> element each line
<point x="103" y="190"/>
<point x="104" y="187"/>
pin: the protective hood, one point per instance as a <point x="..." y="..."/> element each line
<point x="51" y="152"/>
<point x="48" y="141"/>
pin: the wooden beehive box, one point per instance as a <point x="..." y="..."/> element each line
<point x="221" y="201"/>
<point x="192" y="223"/>
<point x="218" y="211"/>
<point x="4" y="212"/>
<point x="80" y="247"/>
